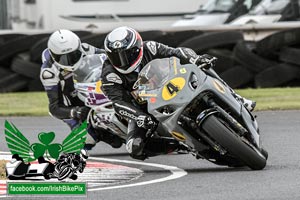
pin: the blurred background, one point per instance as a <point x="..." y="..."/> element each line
<point x="257" y="42"/>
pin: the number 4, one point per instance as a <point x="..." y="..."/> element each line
<point x="172" y="88"/>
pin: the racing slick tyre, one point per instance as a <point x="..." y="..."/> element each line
<point x="224" y="136"/>
<point x="265" y="153"/>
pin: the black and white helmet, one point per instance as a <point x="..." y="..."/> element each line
<point x="124" y="49"/>
<point x="65" y="49"/>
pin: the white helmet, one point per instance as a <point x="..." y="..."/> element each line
<point x="65" y="49"/>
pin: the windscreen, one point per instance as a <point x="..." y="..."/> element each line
<point x="90" y="70"/>
<point x="154" y="75"/>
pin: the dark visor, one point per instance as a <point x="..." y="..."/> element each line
<point x="68" y="59"/>
<point x="125" y="58"/>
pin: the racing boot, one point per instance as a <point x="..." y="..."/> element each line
<point x="249" y="104"/>
<point x="96" y="135"/>
<point x="109" y="138"/>
<point x="91" y="139"/>
<point x="165" y="145"/>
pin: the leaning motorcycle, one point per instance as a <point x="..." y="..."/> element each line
<point x="201" y="112"/>
<point x="87" y="80"/>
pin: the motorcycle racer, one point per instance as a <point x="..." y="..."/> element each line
<point x="127" y="55"/>
<point x="64" y="54"/>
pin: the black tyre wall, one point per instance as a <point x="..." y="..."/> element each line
<point x="225" y="59"/>
<point x="277" y="76"/>
<point x="269" y="45"/>
<point x="271" y="62"/>
<point x="290" y="55"/>
<point x="238" y="77"/>
<point x="12" y="47"/>
<point x="22" y="65"/>
<point x="172" y="39"/>
<point x="211" y="40"/>
<point x="248" y="59"/>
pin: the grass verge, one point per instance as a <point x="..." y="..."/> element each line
<point x="273" y="98"/>
<point x="36" y="103"/>
<point x="23" y="104"/>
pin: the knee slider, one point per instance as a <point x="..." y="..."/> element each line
<point x="135" y="146"/>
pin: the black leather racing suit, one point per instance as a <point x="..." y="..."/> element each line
<point x="118" y="87"/>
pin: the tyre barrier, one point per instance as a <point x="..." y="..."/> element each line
<point x="207" y="41"/>
<point x="225" y="59"/>
<point x="238" y="77"/>
<point x="269" y="46"/>
<point x="271" y="62"/>
<point x="289" y="55"/>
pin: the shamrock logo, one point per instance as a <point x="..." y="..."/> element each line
<point x="45" y="147"/>
<point x="19" y="144"/>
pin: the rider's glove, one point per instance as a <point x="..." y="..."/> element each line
<point x="79" y="113"/>
<point x="146" y="122"/>
<point x="208" y="61"/>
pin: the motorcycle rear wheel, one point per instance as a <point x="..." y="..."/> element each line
<point x="233" y="143"/>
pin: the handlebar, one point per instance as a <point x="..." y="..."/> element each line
<point x="208" y="63"/>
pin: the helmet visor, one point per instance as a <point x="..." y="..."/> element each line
<point x="68" y="59"/>
<point x="124" y="58"/>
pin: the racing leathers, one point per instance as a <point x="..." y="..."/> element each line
<point x="64" y="103"/>
<point x="118" y="88"/>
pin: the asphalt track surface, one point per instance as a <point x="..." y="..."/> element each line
<point x="280" y="179"/>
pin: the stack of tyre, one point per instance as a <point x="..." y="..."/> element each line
<point x="271" y="62"/>
<point x="20" y="61"/>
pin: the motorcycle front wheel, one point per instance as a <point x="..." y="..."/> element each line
<point x="233" y="143"/>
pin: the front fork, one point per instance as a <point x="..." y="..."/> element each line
<point x="213" y="109"/>
<point x="235" y="125"/>
<point x="195" y="127"/>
